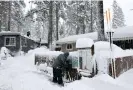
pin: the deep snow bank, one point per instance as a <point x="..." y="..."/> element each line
<point x="126" y="77"/>
<point x="103" y="48"/>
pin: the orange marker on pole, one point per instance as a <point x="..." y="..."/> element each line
<point x="107" y="16"/>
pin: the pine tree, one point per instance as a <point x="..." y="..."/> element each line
<point x="11" y="15"/>
<point x="118" y="16"/>
<point x="3" y="15"/>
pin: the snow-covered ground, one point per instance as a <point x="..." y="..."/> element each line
<point x="19" y="73"/>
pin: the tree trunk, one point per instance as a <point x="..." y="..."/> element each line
<point x="0" y="25"/>
<point x="77" y="30"/>
<point x="83" y="25"/>
<point x="101" y="36"/>
<point x="50" y="24"/>
<point x="9" y="16"/>
<point x="57" y="20"/>
<point x="18" y="28"/>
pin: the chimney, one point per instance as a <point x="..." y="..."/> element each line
<point x="28" y="33"/>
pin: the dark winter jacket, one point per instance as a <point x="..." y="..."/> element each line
<point x="69" y="63"/>
<point x="60" y="61"/>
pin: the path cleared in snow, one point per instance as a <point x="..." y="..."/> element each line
<point x="19" y="73"/>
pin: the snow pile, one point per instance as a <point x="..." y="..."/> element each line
<point x="128" y="52"/>
<point x="104" y="47"/>
<point x="78" y="85"/>
<point x="100" y="82"/>
<point x="44" y="51"/>
<point x="102" y="54"/>
<point x="31" y="53"/>
<point x="20" y="74"/>
<point x="40" y="50"/>
<point x="4" y="53"/>
<point x="105" y="77"/>
<point x="126" y="77"/>
<point x="45" y="68"/>
<point x="84" y="43"/>
<point x="20" y="53"/>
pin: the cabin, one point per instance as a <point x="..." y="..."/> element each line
<point x="122" y="37"/>
<point x="68" y="44"/>
<point x="89" y="55"/>
<point x="16" y="42"/>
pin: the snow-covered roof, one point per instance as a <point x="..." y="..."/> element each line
<point x="84" y="43"/>
<point x="74" y="38"/>
<point x="15" y="33"/>
<point x="44" y="41"/>
<point x="123" y="33"/>
<point x="9" y="33"/>
<point x="28" y="38"/>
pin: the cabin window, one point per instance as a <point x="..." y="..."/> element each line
<point x="10" y="41"/>
<point x="69" y="46"/>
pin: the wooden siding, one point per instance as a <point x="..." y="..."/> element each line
<point x="122" y="64"/>
<point x="31" y="44"/>
<point x="11" y="48"/>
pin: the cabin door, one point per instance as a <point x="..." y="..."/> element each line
<point x="85" y="59"/>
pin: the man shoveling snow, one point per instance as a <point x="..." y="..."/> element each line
<point x="58" y="67"/>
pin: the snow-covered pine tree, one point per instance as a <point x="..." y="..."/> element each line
<point x="3" y="15"/>
<point x="118" y="16"/>
<point x="17" y="16"/>
<point x="11" y="15"/>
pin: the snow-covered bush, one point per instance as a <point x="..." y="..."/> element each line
<point x="4" y="53"/>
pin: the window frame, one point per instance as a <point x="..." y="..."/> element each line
<point x="69" y="48"/>
<point x="10" y="40"/>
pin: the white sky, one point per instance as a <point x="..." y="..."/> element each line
<point x="126" y="6"/>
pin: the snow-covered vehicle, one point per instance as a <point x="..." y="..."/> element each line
<point x="94" y="57"/>
<point x="44" y="61"/>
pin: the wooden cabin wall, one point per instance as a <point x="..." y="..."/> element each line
<point x="30" y="44"/>
<point x="11" y="48"/>
<point x="1" y="41"/>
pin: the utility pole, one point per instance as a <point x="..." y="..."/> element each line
<point x="0" y="25"/>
